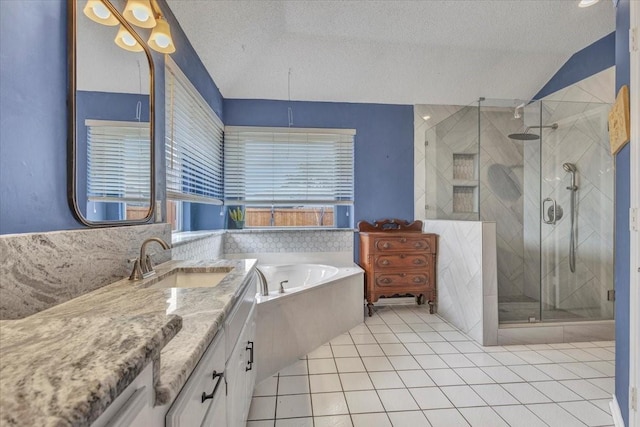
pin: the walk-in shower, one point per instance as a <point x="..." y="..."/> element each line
<point x="543" y="172"/>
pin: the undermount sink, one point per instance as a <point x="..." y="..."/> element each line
<point x="191" y="278"/>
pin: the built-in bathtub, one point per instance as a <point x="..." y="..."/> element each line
<point x="319" y="303"/>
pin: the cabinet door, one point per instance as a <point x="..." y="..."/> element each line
<point x="250" y="336"/>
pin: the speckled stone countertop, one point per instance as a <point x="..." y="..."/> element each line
<point x="75" y="358"/>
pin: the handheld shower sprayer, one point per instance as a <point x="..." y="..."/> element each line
<point x="572" y="169"/>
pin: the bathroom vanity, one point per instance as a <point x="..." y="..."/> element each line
<point x="398" y="259"/>
<point x="133" y="353"/>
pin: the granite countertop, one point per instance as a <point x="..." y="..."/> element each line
<point x="65" y="365"/>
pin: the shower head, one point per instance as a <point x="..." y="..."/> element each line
<point x="526" y="136"/>
<point x="516" y="113"/>
<point x="569" y="167"/>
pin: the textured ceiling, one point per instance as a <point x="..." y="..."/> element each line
<point x="395" y="52"/>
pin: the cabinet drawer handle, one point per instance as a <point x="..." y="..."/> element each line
<point x="418" y="280"/>
<point x="418" y="261"/>
<point x="206" y="396"/>
<point x="249" y="348"/>
<point x="417" y="245"/>
<point x="386" y="246"/>
<point x="385" y="281"/>
<point x="385" y="262"/>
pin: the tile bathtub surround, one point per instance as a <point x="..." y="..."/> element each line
<point x="467" y="276"/>
<point x="197" y="245"/>
<point x="250" y="241"/>
<point x="352" y="380"/>
<point x="41" y="270"/>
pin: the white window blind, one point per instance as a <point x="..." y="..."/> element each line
<point x="193" y="142"/>
<point x="288" y="165"/>
<point x="118" y="161"/>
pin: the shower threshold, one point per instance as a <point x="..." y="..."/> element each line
<point x="550" y="332"/>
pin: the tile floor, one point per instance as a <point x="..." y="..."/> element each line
<point x="405" y="367"/>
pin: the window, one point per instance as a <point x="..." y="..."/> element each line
<point x="118" y="184"/>
<point x="193" y="146"/>
<point x="290" y="177"/>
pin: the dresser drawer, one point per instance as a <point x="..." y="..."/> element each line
<point x="406" y="261"/>
<point x="422" y="244"/>
<point x="409" y="280"/>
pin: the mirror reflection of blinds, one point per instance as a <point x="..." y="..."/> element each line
<point x="193" y="142"/>
<point x="288" y="166"/>
<point x="118" y="156"/>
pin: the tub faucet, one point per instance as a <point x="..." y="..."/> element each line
<point x="282" y="286"/>
<point x="143" y="266"/>
<point x="264" y="287"/>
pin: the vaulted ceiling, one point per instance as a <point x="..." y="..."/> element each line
<point x="396" y="52"/>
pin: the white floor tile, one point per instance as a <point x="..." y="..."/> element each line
<point x="554" y="415"/>
<point x="386" y="338"/>
<point x="557" y="372"/>
<point x="588" y="413"/>
<point x="417" y="378"/>
<point x="580" y="355"/>
<point x="262" y="423"/>
<point x="293" y="406"/>
<point x="430" y="337"/>
<point x="519" y="416"/>
<point x="532" y="357"/>
<point x="467" y="347"/>
<point x="445" y="418"/>
<point x="329" y="404"/>
<point x="607" y="384"/>
<point x="360" y="402"/>
<point x="356" y="381"/>
<point x="348" y="350"/>
<point x="444" y="377"/>
<point x="408" y="418"/>
<point x="369" y="350"/>
<point x="482" y="359"/>
<point x="529" y="373"/>
<point x="494" y="394"/>
<point x="473" y="376"/>
<point x="556" y="391"/>
<point x="556" y="356"/>
<point x="582" y="370"/>
<point x="453" y="336"/>
<point x="407" y="337"/>
<point x="501" y="374"/>
<point x="430" y="398"/>
<point x="374" y="364"/>
<point x="333" y="421"/>
<point x="430" y="361"/>
<point x="508" y="358"/>
<point x="457" y="360"/>
<point x="371" y="420"/>
<point x="482" y="417"/>
<point x="397" y="400"/>
<point x="324" y="383"/>
<point x="602" y="404"/>
<point x="380" y="329"/>
<point x="298" y="368"/>
<point x="607" y="368"/>
<point x="586" y="389"/>
<point x="400" y="328"/>
<point x="443" y="348"/>
<point x="321" y="352"/>
<point x="463" y="396"/>
<point x="601" y="353"/>
<point x="341" y="339"/>
<point x="417" y="348"/>
<point x="295" y="422"/>
<point x="322" y="366"/>
<point x="363" y="339"/>
<point x="394" y="349"/>
<point x="298" y="384"/>
<point x="262" y="408"/>
<point x="348" y="364"/>
<point x="420" y="327"/>
<point x="525" y="393"/>
<point x="360" y="329"/>
<point x="403" y="363"/>
<point x="267" y="387"/>
<point x="384" y="380"/>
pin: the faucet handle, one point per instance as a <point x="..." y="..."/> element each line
<point x="148" y="263"/>
<point x="136" y="272"/>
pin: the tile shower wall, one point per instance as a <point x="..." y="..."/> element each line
<point x="40" y="270"/>
<point x="582" y="139"/>
<point x="443" y="190"/>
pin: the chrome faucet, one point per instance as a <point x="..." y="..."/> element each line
<point x="264" y="287"/>
<point x="143" y="266"/>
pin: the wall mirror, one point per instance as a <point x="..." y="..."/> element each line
<point x="111" y="117"/>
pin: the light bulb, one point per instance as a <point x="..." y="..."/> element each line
<point x="128" y="39"/>
<point x="162" y="40"/>
<point x="141" y="14"/>
<point x="587" y="3"/>
<point x="101" y="10"/>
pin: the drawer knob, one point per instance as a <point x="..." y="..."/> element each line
<point x="386" y="246"/>
<point x="418" y="280"/>
<point x="385" y="262"/>
<point x="418" y="261"/>
<point x="417" y="245"/>
<point x="403" y="240"/>
<point x="385" y="281"/>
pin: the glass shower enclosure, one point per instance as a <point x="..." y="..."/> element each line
<point x="543" y="172"/>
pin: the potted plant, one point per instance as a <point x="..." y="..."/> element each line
<point x="237" y="215"/>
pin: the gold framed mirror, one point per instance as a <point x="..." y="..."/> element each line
<point x="111" y="173"/>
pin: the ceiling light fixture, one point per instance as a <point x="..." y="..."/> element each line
<point x="139" y="13"/>
<point x="587" y="3"/>
<point x="160" y="39"/>
<point x="426" y="117"/>
<point x="125" y="40"/>
<point x="98" y="12"/>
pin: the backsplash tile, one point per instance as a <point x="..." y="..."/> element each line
<point x="40" y="270"/>
<point x="205" y="247"/>
<point x="258" y="241"/>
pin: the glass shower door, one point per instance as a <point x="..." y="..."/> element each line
<point x="576" y="210"/>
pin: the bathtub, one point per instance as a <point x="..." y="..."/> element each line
<point x="319" y="303"/>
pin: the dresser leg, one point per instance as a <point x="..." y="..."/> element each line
<point x="370" y="307"/>
<point x="431" y="306"/>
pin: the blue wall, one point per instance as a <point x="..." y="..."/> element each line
<point x="594" y="58"/>
<point x="33" y="113"/>
<point x="623" y="244"/>
<point x="383" y="146"/>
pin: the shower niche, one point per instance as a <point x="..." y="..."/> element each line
<point x="465" y="183"/>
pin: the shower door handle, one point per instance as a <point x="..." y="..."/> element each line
<point x="551" y="212"/>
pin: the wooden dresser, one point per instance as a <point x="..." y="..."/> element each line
<point x="398" y="260"/>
